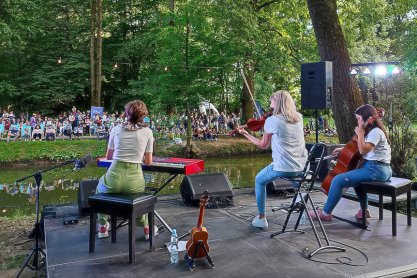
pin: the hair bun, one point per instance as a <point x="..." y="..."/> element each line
<point x="380" y="112"/>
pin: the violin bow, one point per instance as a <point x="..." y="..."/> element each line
<point x="247" y="86"/>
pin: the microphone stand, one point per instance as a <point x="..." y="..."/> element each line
<point x="37" y="251"/>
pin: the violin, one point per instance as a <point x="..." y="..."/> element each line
<point x="199" y="233"/>
<point x="254" y="124"/>
<point x="349" y="157"/>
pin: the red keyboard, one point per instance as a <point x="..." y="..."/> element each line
<point x="171" y="165"/>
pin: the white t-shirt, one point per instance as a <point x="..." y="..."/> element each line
<point x="288" y="146"/>
<point x="130" y="145"/>
<point x="382" y="150"/>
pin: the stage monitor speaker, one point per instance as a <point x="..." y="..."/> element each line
<point x="86" y="189"/>
<point x="316" y="85"/>
<point x="280" y="185"/>
<point x="193" y="186"/>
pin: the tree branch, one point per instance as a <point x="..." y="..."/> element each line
<point x="266" y="4"/>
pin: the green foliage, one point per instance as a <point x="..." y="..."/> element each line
<point x="273" y="37"/>
<point x="55" y="150"/>
<point x="400" y="101"/>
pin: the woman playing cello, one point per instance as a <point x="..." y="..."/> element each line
<point x="284" y="132"/>
<point x="374" y="147"/>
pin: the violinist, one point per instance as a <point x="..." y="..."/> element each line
<point x="284" y="132"/>
<point x="373" y="145"/>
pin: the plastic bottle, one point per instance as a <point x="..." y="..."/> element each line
<point x="174" y="247"/>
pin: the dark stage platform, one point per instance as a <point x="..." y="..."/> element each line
<point x="237" y="249"/>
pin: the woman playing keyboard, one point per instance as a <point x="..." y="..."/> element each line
<point x="130" y="145"/>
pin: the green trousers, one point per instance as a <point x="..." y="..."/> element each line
<point x="122" y="177"/>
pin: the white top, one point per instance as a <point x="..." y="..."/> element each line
<point x="288" y="146"/>
<point x="130" y="145"/>
<point x="382" y="150"/>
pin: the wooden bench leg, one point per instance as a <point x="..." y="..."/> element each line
<point x="151" y="229"/>
<point x="381" y="206"/>
<point x="113" y="221"/>
<point x="93" y="219"/>
<point x="131" y="239"/>
<point x="394" y="215"/>
<point x="409" y="207"/>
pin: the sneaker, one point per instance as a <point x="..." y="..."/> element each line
<point x="260" y="222"/>
<point x="358" y="215"/>
<point x="322" y="216"/>
<point x="103" y="230"/>
<point x="146" y="231"/>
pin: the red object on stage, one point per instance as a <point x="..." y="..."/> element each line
<point x="171" y="165"/>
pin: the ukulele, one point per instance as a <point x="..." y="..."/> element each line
<point x="348" y="159"/>
<point x="199" y="233"/>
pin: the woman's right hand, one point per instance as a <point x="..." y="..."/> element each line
<point x="337" y="151"/>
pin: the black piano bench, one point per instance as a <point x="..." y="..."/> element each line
<point x="393" y="188"/>
<point x="121" y="205"/>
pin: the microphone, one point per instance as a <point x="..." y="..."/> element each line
<point x="82" y="162"/>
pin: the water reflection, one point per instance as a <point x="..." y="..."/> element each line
<point x="54" y="189"/>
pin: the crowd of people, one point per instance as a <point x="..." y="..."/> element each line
<point x="77" y="124"/>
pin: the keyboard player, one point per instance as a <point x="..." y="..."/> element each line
<point x="130" y="145"/>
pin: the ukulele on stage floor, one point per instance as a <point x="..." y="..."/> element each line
<point x="197" y="246"/>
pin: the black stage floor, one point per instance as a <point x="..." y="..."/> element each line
<point x="237" y="249"/>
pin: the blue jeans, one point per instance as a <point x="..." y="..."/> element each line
<point x="265" y="176"/>
<point x="371" y="171"/>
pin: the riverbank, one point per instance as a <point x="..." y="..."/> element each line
<point x="15" y="153"/>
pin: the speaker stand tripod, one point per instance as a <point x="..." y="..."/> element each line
<point x="37" y="253"/>
<point x="300" y="201"/>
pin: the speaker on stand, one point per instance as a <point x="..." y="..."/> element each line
<point x="86" y="189"/>
<point x="316" y="87"/>
<point x="217" y="185"/>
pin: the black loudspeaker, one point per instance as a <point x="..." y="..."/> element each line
<point x="193" y="186"/>
<point x="280" y="185"/>
<point x="316" y="85"/>
<point x="86" y="189"/>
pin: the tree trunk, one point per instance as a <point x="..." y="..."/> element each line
<point x="247" y="102"/>
<point x="171" y="10"/>
<point x="92" y="52"/>
<point x="332" y="47"/>
<point x="99" y="52"/>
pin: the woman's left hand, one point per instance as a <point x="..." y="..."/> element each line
<point x="359" y="131"/>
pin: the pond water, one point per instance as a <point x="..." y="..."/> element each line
<point x="60" y="186"/>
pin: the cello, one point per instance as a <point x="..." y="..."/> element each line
<point x="349" y="157"/>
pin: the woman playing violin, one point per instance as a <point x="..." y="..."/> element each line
<point x="373" y="145"/>
<point x="284" y="132"/>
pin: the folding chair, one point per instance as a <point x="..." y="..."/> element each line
<point x="302" y="199"/>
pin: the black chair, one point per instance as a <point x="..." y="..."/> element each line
<point x="302" y="187"/>
<point x="126" y="206"/>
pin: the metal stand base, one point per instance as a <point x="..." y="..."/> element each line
<point x="300" y="200"/>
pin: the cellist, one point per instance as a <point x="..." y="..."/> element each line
<point x="284" y="132"/>
<point x="373" y="145"/>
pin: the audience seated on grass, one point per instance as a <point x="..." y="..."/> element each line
<point x="37" y="133"/>
<point x="13" y="133"/>
<point x="2" y="130"/>
<point x="25" y="132"/>
<point x="50" y="133"/>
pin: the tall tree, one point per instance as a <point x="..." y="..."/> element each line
<point x="96" y="29"/>
<point x="332" y="47"/>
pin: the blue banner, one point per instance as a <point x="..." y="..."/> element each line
<point x="96" y="110"/>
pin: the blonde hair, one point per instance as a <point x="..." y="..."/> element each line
<point x="285" y="106"/>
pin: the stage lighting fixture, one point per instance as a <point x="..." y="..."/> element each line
<point x="380" y="70"/>
<point x="366" y="71"/>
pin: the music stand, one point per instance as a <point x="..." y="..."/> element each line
<point x="37" y="251"/>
